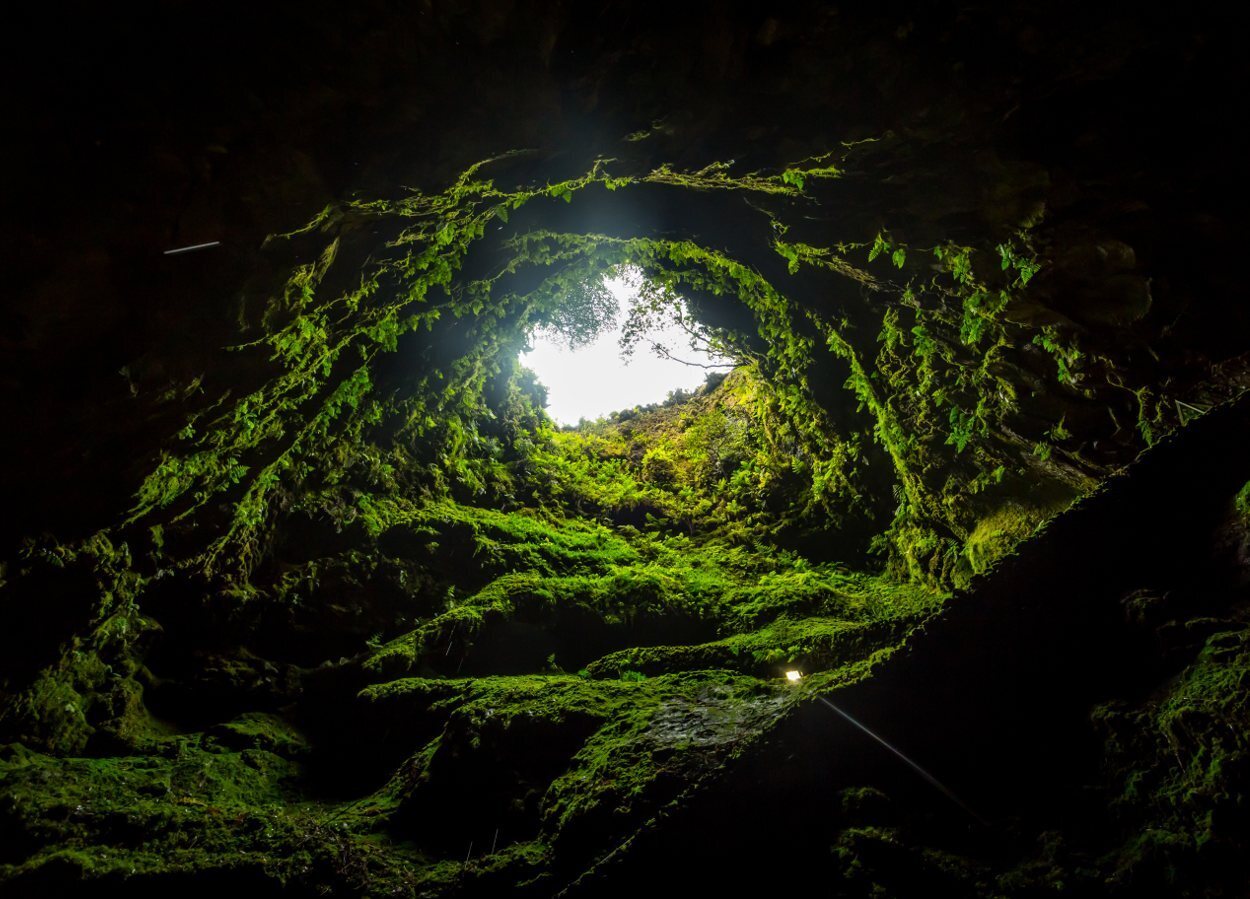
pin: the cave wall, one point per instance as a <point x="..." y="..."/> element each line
<point x="373" y="653"/>
<point x="167" y="126"/>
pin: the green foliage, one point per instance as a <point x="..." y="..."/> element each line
<point x="205" y="808"/>
<point x="1175" y="760"/>
<point x="1059" y="432"/>
<point x="963" y="425"/>
<point x="997" y="533"/>
<point x="647" y="547"/>
<point x="1150" y="415"/>
<point x="1024" y="267"/>
<point x="934" y="386"/>
<point x="585" y="311"/>
<point x="1066" y="355"/>
<point x="717" y="462"/>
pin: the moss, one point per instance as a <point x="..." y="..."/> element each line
<point x="83" y="688"/>
<point x="812" y="645"/>
<point x="642" y="760"/>
<point x="714" y="462"/>
<point x="195" y="811"/>
<point x="1177" y="760"/>
<point x="83" y="700"/>
<point x="259" y="730"/>
<point x="654" y="589"/>
<point x="324" y="419"/>
<point x="574" y="761"/>
<point x="998" y="532"/>
<point x="420" y="553"/>
<point x="886" y="861"/>
<point x="106" y="811"/>
<point x="918" y="554"/>
<point x="499" y="542"/>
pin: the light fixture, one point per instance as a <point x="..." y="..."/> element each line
<point x="793" y="676"/>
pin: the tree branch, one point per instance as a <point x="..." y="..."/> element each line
<point x="664" y="353"/>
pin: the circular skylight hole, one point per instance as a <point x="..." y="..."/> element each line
<point x="591" y="378"/>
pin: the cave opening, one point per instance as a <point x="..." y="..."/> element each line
<point x="617" y="352"/>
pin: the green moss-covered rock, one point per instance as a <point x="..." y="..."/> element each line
<point x="333" y="607"/>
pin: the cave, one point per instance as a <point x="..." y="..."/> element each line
<point x="932" y="580"/>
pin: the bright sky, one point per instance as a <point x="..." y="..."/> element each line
<point x="594" y="380"/>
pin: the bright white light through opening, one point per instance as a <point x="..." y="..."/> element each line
<point x="794" y="676"/>
<point x="591" y="381"/>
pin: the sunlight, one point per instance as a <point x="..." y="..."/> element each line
<point x="591" y="381"/>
